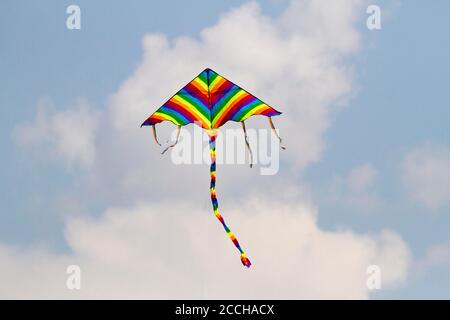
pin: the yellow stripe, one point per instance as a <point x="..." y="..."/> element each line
<point x="235" y="97"/>
<point x="201" y="84"/>
<point x="167" y="117"/>
<point x="257" y="110"/>
<point x="214" y="83"/>
<point x="194" y="110"/>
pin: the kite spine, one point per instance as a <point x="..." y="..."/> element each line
<point x="212" y="146"/>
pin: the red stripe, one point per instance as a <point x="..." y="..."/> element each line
<point x="270" y="112"/>
<point x="196" y="93"/>
<point x="235" y="106"/>
<point x="153" y="119"/>
<point x="220" y="91"/>
<point x="180" y="108"/>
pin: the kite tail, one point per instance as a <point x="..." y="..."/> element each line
<point x="212" y="146"/>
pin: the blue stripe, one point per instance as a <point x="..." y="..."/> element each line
<point x="199" y="103"/>
<point x="173" y="113"/>
<point x="245" y="109"/>
<point x="232" y="91"/>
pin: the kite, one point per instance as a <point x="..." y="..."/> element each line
<point x="209" y="101"/>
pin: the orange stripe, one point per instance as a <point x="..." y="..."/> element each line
<point x="217" y="84"/>
<point x="157" y="117"/>
<point x="258" y="110"/>
<point x="229" y="109"/>
<point x="201" y="84"/>
<point x="187" y="110"/>
<point x="199" y="87"/>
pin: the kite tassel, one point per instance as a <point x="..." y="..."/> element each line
<point x="155" y="136"/>
<point x="276" y="133"/>
<point x="176" y="141"/>
<point x="247" y="144"/>
<point x="215" y="204"/>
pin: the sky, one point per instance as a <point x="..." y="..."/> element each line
<point x="365" y="179"/>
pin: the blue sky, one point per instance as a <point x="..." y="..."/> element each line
<point x="403" y="100"/>
<point x="399" y="102"/>
<point x="43" y="59"/>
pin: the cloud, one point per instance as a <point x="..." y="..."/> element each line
<point x="151" y="251"/>
<point x="361" y="178"/>
<point x="69" y="135"/>
<point x="356" y="188"/>
<point x="297" y="62"/>
<point x="161" y="244"/>
<point x="287" y="61"/>
<point x="436" y="255"/>
<point x="426" y="175"/>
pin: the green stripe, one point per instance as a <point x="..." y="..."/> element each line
<point x="245" y="109"/>
<point x="195" y="104"/>
<point x="174" y="115"/>
<point x="202" y="77"/>
<point x="224" y="101"/>
<point x="212" y="77"/>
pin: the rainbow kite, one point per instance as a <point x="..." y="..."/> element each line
<point x="210" y="101"/>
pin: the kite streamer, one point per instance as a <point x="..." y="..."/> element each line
<point x="176" y="140"/>
<point x="210" y="100"/>
<point x="155" y="136"/>
<point x="212" y="146"/>
<point x="247" y="144"/>
<point x="276" y="133"/>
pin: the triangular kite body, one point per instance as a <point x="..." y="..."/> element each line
<point x="210" y="101"/>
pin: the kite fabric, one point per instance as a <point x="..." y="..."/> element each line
<point x="210" y="101"/>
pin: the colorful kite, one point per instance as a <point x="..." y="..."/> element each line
<point x="210" y="101"/>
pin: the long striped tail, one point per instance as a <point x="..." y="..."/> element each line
<point x="212" y="146"/>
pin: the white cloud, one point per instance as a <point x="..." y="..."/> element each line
<point x="151" y="251"/>
<point x="361" y="178"/>
<point x="426" y="175"/>
<point x="297" y="63"/>
<point x="288" y="61"/>
<point x="69" y="134"/>
<point x="356" y="188"/>
<point x="436" y="255"/>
